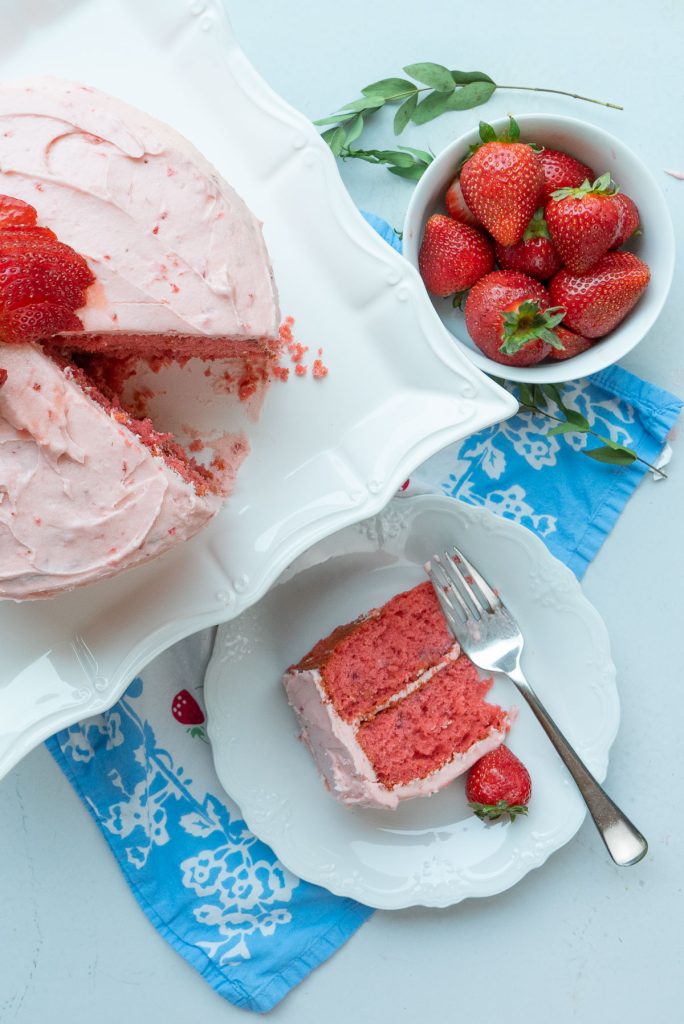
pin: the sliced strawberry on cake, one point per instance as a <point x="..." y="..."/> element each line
<point x="390" y="707"/>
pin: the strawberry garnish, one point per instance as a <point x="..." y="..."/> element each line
<point x="561" y="170"/>
<point x="598" y="300"/>
<point x="457" y="206"/>
<point x="453" y="256"/>
<point x="499" y="783"/>
<point x="572" y="344"/>
<point x="628" y="219"/>
<point x="42" y="280"/>
<point x="509" y="318"/>
<point x="535" y="254"/>
<point x="502" y="183"/>
<point x="3" y="378"/>
<point x="584" y="222"/>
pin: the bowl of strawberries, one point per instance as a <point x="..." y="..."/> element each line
<point x="545" y="245"/>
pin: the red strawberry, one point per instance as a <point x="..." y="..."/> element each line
<point x="535" y="254"/>
<point x="596" y="301"/>
<point x="562" y="171"/>
<point x="499" y="783"/>
<point x="628" y="221"/>
<point x="502" y="183"/>
<point x="583" y="222"/>
<point x="186" y="710"/>
<point x="3" y="378"/>
<point x="453" y="256"/>
<point x="15" y="213"/>
<point x="42" y="281"/>
<point x="456" y="204"/>
<point x="572" y="344"/>
<point x="508" y="317"/>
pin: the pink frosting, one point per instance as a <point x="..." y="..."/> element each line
<point x="346" y="770"/>
<point x="81" y="498"/>
<point x="173" y="247"/>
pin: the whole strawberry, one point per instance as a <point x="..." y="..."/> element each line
<point x="583" y="222"/>
<point x="572" y="344"/>
<point x="535" y="254"/>
<point x="628" y="221"/>
<point x="598" y="300"/>
<point x="502" y="183"/>
<point x="561" y="170"/>
<point x="453" y="256"/>
<point x="456" y="204"/>
<point x="499" y="783"/>
<point x="508" y="317"/>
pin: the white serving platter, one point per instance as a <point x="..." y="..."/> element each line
<point x="323" y="453"/>
<point x="432" y="851"/>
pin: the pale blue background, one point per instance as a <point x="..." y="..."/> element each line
<point x="578" y="940"/>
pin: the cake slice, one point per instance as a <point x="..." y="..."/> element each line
<point x="179" y="261"/>
<point x="389" y="706"/>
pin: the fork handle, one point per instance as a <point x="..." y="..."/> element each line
<point x="624" y="842"/>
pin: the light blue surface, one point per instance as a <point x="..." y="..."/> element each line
<point x="580" y="939"/>
<point x="211" y="888"/>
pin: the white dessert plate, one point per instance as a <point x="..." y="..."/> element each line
<point x="323" y="453"/>
<point x="430" y="851"/>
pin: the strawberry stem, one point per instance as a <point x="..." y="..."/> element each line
<point x="562" y="92"/>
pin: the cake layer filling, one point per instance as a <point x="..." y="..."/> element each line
<point x="419" y="734"/>
<point x="362" y="664"/>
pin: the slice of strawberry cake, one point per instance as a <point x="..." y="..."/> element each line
<point x="389" y="706"/>
<point x="117" y="241"/>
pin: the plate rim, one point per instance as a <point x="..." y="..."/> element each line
<point x="431" y="897"/>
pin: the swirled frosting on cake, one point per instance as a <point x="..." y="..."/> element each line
<point x="81" y="496"/>
<point x="174" y="249"/>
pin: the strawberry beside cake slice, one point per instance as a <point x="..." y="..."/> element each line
<point x="179" y="261"/>
<point x="389" y="706"/>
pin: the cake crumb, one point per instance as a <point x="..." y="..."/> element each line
<point x="300" y="370"/>
<point x="281" y="373"/>
<point x="197" y="445"/>
<point x="319" y="370"/>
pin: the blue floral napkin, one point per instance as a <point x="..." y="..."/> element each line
<point x="143" y="769"/>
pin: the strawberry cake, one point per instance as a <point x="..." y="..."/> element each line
<point x="117" y="240"/>
<point x="389" y="705"/>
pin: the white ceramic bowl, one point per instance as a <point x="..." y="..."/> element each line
<point x="602" y="152"/>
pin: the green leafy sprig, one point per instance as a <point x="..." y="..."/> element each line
<point x="534" y="397"/>
<point x="438" y="91"/>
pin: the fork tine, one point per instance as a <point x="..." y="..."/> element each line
<point x="459" y="582"/>
<point x="445" y="591"/>
<point x="488" y="595"/>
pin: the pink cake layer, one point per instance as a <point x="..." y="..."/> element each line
<point x="164" y="346"/>
<point x="364" y="662"/>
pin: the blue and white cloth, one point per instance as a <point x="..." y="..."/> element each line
<point x="143" y="769"/>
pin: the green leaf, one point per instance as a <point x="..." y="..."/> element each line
<point x="553" y="392"/>
<point x="336" y="138"/>
<point x="513" y="131"/>
<point x="466" y="77"/>
<point x="572" y="416"/>
<point x="404" y="113"/>
<point x="613" y="456"/>
<point x="487" y="133"/>
<point x="390" y="89"/>
<point x="412" y="173"/>
<point x="335" y="118"/>
<point x="359" y="106"/>
<point x="420" y="154"/>
<point x="562" y="428"/>
<point x="435" y="75"/>
<point x="354" y="129"/>
<point x="538" y="396"/>
<point x="472" y="95"/>
<point x="525" y="394"/>
<point x="434" y="104"/>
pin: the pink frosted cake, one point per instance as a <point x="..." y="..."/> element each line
<point x="117" y="239"/>
<point x="390" y="707"/>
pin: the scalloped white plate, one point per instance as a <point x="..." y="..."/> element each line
<point x="433" y="851"/>
<point x="324" y="453"/>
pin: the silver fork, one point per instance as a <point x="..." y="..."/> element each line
<point x="491" y="638"/>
